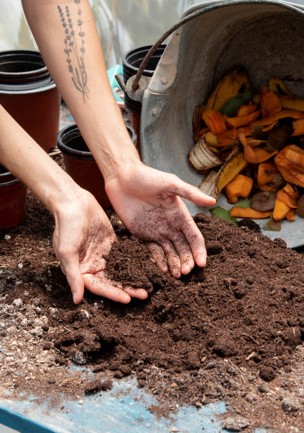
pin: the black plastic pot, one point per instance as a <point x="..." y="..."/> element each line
<point x="80" y="164"/>
<point x="131" y="63"/>
<point x="29" y="94"/>
<point x="12" y="200"/>
<point x="133" y="59"/>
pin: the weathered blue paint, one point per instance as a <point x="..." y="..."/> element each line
<point x="124" y="409"/>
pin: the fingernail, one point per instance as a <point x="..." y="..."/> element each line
<point x="75" y="298"/>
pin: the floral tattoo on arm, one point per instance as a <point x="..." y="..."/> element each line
<point x="75" y="48"/>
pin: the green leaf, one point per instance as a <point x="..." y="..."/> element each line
<point x="222" y="213"/>
<point x="243" y="203"/>
<point x="232" y="105"/>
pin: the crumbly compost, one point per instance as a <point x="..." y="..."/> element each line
<point x="231" y="331"/>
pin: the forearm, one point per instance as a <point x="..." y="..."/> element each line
<point x="66" y="34"/>
<point x="21" y="155"/>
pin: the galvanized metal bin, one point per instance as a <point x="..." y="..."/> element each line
<point x="267" y="37"/>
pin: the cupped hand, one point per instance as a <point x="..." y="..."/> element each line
<point x="149" y="203"/>
<point x="82" y="239"/>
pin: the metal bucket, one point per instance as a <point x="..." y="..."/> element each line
<point x="267" y="37"/>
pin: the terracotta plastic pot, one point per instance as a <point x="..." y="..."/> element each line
<point x="12" y="200"/>
<point x="131" y="63"/>
<point x="29" y="94"/>
<point x="80" y="164"/>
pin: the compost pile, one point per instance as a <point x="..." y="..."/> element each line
<point x="232" y="331"/>
<point x="250" y="146"/>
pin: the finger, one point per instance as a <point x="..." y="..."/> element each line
<point x="172" y="258"/>
<point x="158" y="255"/>
<point x="196" y="242"/>
<point x="136" y="293"/>
<point x="77" y="289"/>
<point x="193" y="194"/>
<point x="184" y="251"/>
<point x="73" y="275"/>
<point x="105" y="288"/>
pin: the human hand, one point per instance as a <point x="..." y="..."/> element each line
<point x="82" y="239"/>
<point x="149" y="203"/>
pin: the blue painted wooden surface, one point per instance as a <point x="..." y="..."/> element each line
<point x="124" y="409"/>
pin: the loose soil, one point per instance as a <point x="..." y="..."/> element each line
<point x="232" y="331"/>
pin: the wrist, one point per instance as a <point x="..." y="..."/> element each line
<point x="57" y="193"/>
<point x="118" y="164"/>
<point x="108" y="139"/>
<point x="124" y="173"/>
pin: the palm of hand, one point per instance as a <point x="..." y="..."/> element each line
<point x="82" y="240"/>
<point x="151" y="207"/>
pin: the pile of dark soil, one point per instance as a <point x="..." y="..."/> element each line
<point x="232" y="331"/>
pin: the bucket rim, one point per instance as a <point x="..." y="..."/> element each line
<point x="216" y="4"/>
<point x="202" y="9"/>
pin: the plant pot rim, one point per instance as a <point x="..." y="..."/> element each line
<point x="71" y="131"/>
<point x="7" y="178"/>
<point x="10" y="182"/>
<point x="128" y="56"/>
<point x="19" y="89"/>
<point x="4" y="171"/>
<point x="44" y="84"/>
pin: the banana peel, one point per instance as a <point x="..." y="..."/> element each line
<point x="202" y="158"/>
<point x="272" y="120"/>
<point x="226" y="139"/>
<point x="286" y="97"/>
<point x="292" y="102"/>
<point x="234" y="83"/>
<point x="216" y="181"/>
<point x="234" y="164"/>
<point x="209" y="184"/>
<point x="278" y="86"/>
<point x="258" y="129"/>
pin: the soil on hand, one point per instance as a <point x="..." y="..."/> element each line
<point x="232" y="331"/>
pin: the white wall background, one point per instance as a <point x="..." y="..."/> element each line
<point x="122" y="24"/>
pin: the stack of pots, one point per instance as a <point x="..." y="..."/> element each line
<point x="80" y="163"/>
<point x="29" y="94"/>
<point x="131" y="63"/>
<point x="12" y="200"/>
